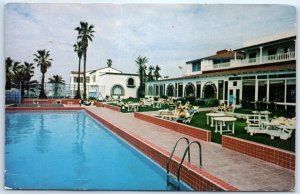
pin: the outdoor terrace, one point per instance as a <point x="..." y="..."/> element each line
<point x="207" y="65"/>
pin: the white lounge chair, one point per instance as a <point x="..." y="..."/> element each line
<point x="288" y="129"/>
<point x="188" y="118"/>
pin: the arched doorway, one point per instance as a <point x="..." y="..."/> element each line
<point x="170" y="90"/>
<point x="209" y="90"/>
<point x="117" y="90"/>
<point x="189" y="90"/>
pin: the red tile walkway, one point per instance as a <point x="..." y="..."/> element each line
<point x="241" y="171"/>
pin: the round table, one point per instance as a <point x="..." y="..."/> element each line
<point x="212" y="116"/>
<point x="222" y="120"/>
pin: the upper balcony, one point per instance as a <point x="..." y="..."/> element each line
<point x="207" y="65"/>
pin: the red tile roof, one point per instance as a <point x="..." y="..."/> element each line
<point x="225" y="54"/>
<point x="222" y="54"/>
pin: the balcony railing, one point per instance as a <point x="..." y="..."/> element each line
<point x="251" y="61"/>
<point x="221" y="65"/>
<point x="279" y="57"/>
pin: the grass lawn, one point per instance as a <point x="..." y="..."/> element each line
<point x="142" y="109"/>
<point x="199" y="120"/>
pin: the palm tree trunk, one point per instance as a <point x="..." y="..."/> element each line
<point x="8" y="83"/>
<point x="78" y="96"/>
<point x="42" y="93"/>
<point x="84" y="81"/>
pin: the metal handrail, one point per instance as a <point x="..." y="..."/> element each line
<point x="174" y="148"/>
<point x="182" y="159"/>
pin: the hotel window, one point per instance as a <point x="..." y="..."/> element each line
<point x="180" y="90"/>
<point x="291" y="90"/>
<point x="75" y="79"/>
<point x="221" y="89"/>
<point x="262" y="90"/>
<point x="150" y="90"/>
<point x="161" y="90"/>
<point x="276" y="90"/>
<point x="117" y="90"/>
<point x="252" y="57"/>
<point x="249" y="90"/>
<point x="196" y="67"/>
<point x="81" y="79"/>
<point x="130" y="82"/>
<point x="226" y="90"/>
<point x="156" y="90"/>
<point x="87" y="79"/>
<point x="272" y="52"/>
<point x="94" y="78"/>
<point x="198" y="90"/>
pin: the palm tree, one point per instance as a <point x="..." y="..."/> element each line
<point x="85" y="34"/>
<point x="150" y="75"/>
<point x="56" y="80"/>
<point x="17" y="74"/>
<point x="44" y="62"/>
<point x="156" y="72"/>
<point x="8" y="72"/>
<point x="141" y="63"/>
<point x="79" y="51"/>
<point x="109" y="62"/>
<point x="28" y="71"/>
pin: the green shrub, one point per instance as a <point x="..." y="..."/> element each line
<point x="164" y="96"/>
<point x="212" y="102"/>
<point x="191" y="99"/>
<point x="92" y="98"/>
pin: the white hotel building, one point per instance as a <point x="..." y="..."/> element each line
<point x="104" y="82"/>
<point x="260" y="70"/>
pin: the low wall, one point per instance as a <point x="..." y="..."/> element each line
<point x="115" y="108"/>
<point x="50" y="101"/>
<point x="98" y="104"/>
<point x="41" y="108"/>
<point x="270" y="154"/>
<point x="198" y="179"/>
<point x="195" y="132"/>
<point x="101" y="104"/>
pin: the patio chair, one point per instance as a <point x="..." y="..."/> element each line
<point x="272" y="127"/>
<point x="254" y="124"/>
<point x="196" y="109"/>
<point x="188" y="118"/>
<point x="288" y="129"/>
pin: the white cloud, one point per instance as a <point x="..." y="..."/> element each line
<point x="169" y="35"/>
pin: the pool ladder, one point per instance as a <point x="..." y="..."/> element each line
<point x="186" y="151"/>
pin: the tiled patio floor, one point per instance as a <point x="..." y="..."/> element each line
<point x="241" y="171"/>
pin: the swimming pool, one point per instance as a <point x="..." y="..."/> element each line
<point x="70" y="150"/>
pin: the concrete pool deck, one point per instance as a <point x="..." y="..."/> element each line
<point x="239" y="170"/>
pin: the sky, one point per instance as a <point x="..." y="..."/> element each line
<point x="167" y="34"/>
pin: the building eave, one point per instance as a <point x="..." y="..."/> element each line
<point x="267" y="43"/>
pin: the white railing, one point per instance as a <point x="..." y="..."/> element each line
<point x="279" y="57"/>
<point x="251" y="61"/>
<point x="221" y="65"/>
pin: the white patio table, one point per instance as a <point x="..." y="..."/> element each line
<point x="134" y="106"/>
<point x="224" y="120"/>
<point x="212" y="116"/>
<point x="157" y="104"/>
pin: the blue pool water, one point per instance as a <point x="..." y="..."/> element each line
<point x="70" y="150"/>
